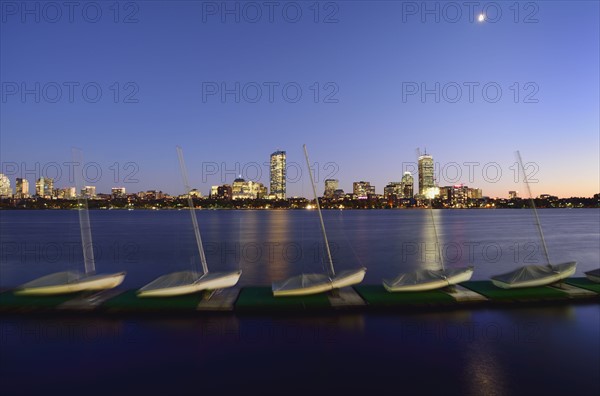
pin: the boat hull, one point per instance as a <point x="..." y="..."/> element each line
<point x="320" y="283"/>
<point x="348" y="278"/>
<point x="209" y="281"/>
<point x="76" y="283"/>
<point x="593" y="275"/>
<point x="437" y="280"/>
<point x="547" y="276"/>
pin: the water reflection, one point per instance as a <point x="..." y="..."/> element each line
<point x="430" y="248"/>
<point x="483" y="373"/>
<point x="283" y="253"/>
<point x="486" y="351"/>
<point x="148" y="244"/>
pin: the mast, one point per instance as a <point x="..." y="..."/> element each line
<point x="84" y="218"/>
<point x="312" y="183"/>
<point x="186" y="184"/>
<point x="537" y="219"/>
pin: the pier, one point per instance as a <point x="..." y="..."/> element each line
<point x="361" y="298"/>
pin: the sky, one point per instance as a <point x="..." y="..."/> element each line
<point x="362" y="84"/>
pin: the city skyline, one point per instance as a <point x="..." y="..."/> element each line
<point x="369" y="98"/>
<point x="428" y="173"/>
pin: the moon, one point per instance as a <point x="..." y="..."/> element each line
<point x="481" y="18"/>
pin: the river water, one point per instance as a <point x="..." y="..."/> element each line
<point x="514" y="350"/>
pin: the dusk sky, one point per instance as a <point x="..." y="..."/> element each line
<point x="364" y="65"/>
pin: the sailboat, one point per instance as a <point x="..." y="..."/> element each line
<point x="426" y="279"/>
<point x="186" y="282"/>
<point x="593" y="275"/>
<point x="306" y="284"/>
<point x="75" y="281"/>
<point x="534" y="275"/>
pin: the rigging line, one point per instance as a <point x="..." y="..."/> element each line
<point x="537" y="219"/>
<point x="184" y="175"/>
<point x="84" y="217"/>
<point x="312" y="182"/>
<point x="348" y="240"/>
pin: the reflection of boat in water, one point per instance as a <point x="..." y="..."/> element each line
<point x="426" y="279"/>
<point x="534" y="275"/>
<point x="593" y="275"/>
<point x="306" y="284"/>
<point x="187" y="282"/>
<point x="75" y="281"/>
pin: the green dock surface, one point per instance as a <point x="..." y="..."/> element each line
<point x="495" y="293"/>
<point x="130" y="302"/>
<point x="584" y="283"/>
<point x="261" y="299"/>
<point x="378" y="296"/>
<point x="11" y="301"/>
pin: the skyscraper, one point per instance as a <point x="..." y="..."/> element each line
<point x="89" y="191"/>
<point x="361" y="189"/>
<point x="426" y="181"/>
<point x="22" y="188"/>
<point x="330" y="186"/>
<point x="242" y="189"/>
<point x="407" y="185"/>
<point x="44" y="187"/>
<point x="278" y="175"/>
<point x="5" y="189"/>
<point x="393" y="190"/>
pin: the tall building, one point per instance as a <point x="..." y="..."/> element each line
<point x="22" y="188"/>
<point x="393" y="190"/>
<point x="474" y="193"/>
<point x="458" y="196"/>
<point x="278" y="174"/>
<point x="5" y="189"/>
<point x="66" y="193"/>
<point x="221" y="192"/>
<point x="242" y="189"/>
<point x="330" y="186"/>
<point x="89" y="191"/>
<point x="118" y="192"/>
<point x="426" y="180"/>
<point x="407" y="185"/>
<point x="44" y="186"/>
<point x="361" y="189"/>
<point x="513" y="194"/>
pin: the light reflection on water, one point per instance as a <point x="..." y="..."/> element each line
<point x="275" y="244"/>
<point x="554" y="350"/>
<point x="549" y="350"/>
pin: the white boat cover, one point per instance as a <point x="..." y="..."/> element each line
<point x="534" y="272"/>
<point x="304" y="281"/>
<point x="423" y="276"/>
<point x="211" y="276"/>
<point x="174" y="279"/>
<point x="348" y="278"/>
<point x="56" y="279"/>
<point x="593" y="275"/>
